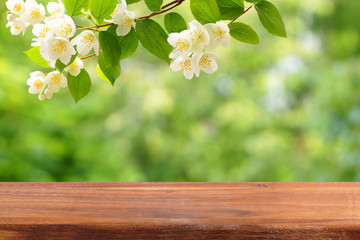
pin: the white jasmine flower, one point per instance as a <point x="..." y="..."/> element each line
<point x="199" y="36"/>
<point x="56" y="9"/>
<point x="42" y="32"/>
<point x="181" y="42"/>
<point x="63" y="27"/>
<point x="75" y="68"/>
<point x="57" y="48"/>
<point x="11" y="19"/>
<point x="219" y="34"/>
<point x="36" y="82"/>
<point x="16" y="7"/>
<point x="86" y="41"/>
<point x="16" y="27"/>
<point x="123" y="18"/>
<point x="125" y="22"/>
<point x="34" y="12"/>
<point x="186" y="64"/>
<point x="48" y="94"/>
<point x="55" y="80"/>
<point x="206" y="62"/>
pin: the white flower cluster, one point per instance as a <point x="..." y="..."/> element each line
<point x="53" y="33"/>
<point x="189" y="54"/>
<point x="123" y="18"/>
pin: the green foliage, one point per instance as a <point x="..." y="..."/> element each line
<point x="174" y="22"/>
<point x="153" y="37"/>
<point x="107" y="71"/>
<point x="110" y="47"/>
<point x="205" y="11"/>
<point x="154" y="5"/>
<point x="101" y="9"/>
<point x="128" y="44"/>
<point x="155" y="126"/>
<point x="34" y="55"/>
<point x="80" y="85"/>
<point x="74" y="7"/>
<point x="271" y="18"/>
<point x="243" y="33"/>
<point x="230" y="9"/>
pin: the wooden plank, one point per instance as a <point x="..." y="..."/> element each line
<point x="180" y="211"/>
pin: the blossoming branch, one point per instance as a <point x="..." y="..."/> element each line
<point x="114" y="32"/>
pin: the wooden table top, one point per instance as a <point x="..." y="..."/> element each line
<point x="180" y="211"/>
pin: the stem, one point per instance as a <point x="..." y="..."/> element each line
<point x="252" y="5"/>
<point x="89" y="56"/>
<point x="169" y="4"/>
<point x="82" y="27"/>
<point x="165" y="9"/>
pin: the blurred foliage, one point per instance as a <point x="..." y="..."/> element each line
<point x="284" y="110"/>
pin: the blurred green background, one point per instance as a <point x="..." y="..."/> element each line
<point x="283" y="110"/>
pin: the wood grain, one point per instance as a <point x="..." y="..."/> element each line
<point x="179" y="211"/>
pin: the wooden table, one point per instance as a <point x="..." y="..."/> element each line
<point x="179" y="211"/>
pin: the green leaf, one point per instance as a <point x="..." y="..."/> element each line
<point x="270" y="18"/>
<point x="73" y="7"/>
<point x="34" y="55"/>
<point x="205" y="11"/>
<point x="128" y="2"/>
<point x="174" y="22"/>
<point x="243" y="33"/>
<point x="80" y="85"/>
<point x="106" y="71"/>
<point x="154" y="5"/>
<point x="128" y="43"/>
<point x="230" y="9"/>
<point x="110" y="47"/>
<point x="60" y="66"/>
<point x="153" y="37"/>
<point x="101" y="9"/>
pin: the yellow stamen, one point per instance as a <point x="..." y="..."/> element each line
<point x="60" y="47"/>
<point x="126" y="22"/>
<point x="181" y="44"/>
<point x="205" y="61"/>
<point x="17" y="7"/>
<point x="196" y="36"/>
<point x="17" y="27"/>
<point x="74" y="65"/>
<point x="185" y="65"/>
<point x="43" y="31"/>
<point x="88" y="39"/>
<point x="218" y="33"/>
<point x="38" y="84"/>
<point x="55" y="80"/>
<point x="56" y="10"/>
<point x="35" y="13"/>
<point x="66" y="29"/>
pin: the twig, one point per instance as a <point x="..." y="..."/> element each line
<point x="178" y="2"/>
<point x="252" y="5"/>
<point x="82" y="27"/>
<point x="89" y="56"/>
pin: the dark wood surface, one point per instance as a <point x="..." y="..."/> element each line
<point x="179" y="211"/>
